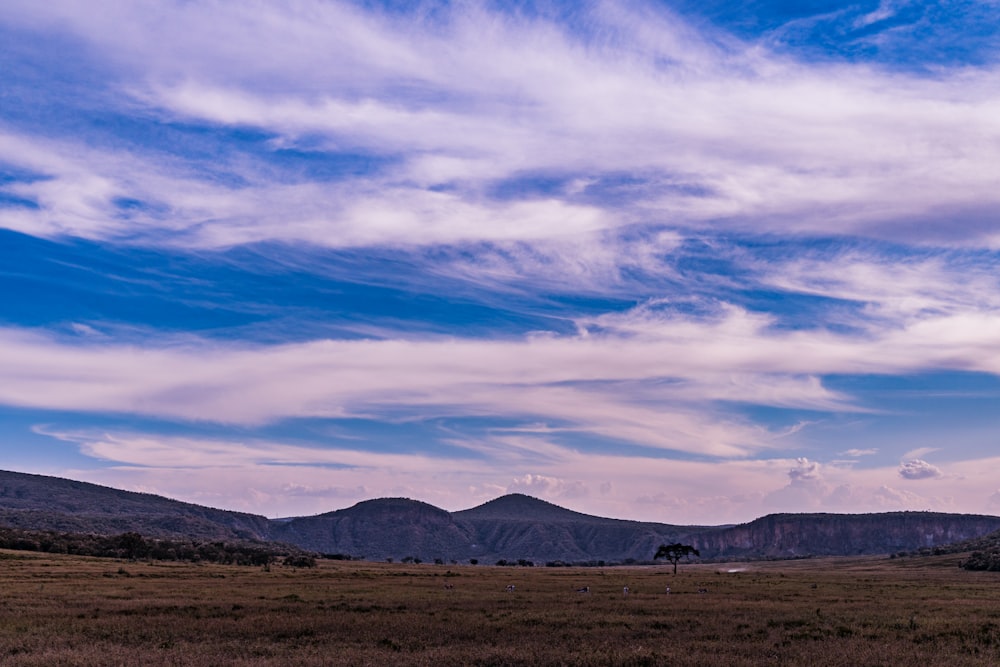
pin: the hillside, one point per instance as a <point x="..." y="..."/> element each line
<point x="380" y="529"/>
<point x="518" y="526"/>
<point x="983" y="552"/>
<point x="513" y="527"/>
<point x="38" y="502"/>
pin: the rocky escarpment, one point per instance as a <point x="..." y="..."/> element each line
<point x="798" y="535"/>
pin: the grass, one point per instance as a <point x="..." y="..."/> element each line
<point x="70" y="610"/>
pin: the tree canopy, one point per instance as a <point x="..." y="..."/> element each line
<point x="674" y="553"/>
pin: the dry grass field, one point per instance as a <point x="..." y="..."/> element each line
<point x="66" y="610"/>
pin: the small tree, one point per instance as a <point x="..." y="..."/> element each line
<point x="299" y="560"/>
<point x="674" y="553"/>
<point x="132" y="545"/>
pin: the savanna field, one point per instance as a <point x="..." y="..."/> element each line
<point x="70" y="610"/>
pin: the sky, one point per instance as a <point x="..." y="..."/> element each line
<point x="682" y="261"/>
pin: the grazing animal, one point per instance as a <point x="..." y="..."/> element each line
<point x="702" y="590"/>
<point x="448" y="587"/>
<point x="510" y="588"/>
<point x="585" y="589"/>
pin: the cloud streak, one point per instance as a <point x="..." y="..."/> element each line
<point x="675" y="370"/>
<point x="479" y="97"/>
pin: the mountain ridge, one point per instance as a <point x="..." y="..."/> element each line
<point x="511" y="527"/>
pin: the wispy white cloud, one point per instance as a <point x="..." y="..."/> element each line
<point x="886" y="9"/>
<point x="893" y="290"/>
<point x="675" y="370"/>
<point x="860" y="452"/>
<point x="769" y="144"/>
<point x="919" y="452"/>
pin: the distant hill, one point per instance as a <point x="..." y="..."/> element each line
<point x="38" y="502"/>
<point x="798" y="535"/>
<point x="518" y="526"/>
<point x="379" y="529"/>
<point x="518" y="506"/>
<point x="513" y="527"/>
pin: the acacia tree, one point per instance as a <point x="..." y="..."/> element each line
<point x="674" y="553"/>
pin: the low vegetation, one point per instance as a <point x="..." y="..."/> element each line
<point x="981" y="553"/>
<point x="59" y="609"/>
<point x="132" y="546"/>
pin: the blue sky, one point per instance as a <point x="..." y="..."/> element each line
<point x="690" y="262"/>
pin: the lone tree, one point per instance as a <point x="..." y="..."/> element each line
<point x="674" y="552"/>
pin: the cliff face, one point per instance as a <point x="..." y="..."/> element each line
<point x="794" y="535"/>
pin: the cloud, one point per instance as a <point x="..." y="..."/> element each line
<point x="576" y="381"/>
<point x="886" y="9"/>
<point x="893" y="499"/>
<point x="548" y="487"/>
<point x="891" y="290"/>
<point x="859" y="452"/>
<point x="919" y="452"/>
<point x="475" y="97"/>
<point x="804" y="471"/>
<point x="919" y="469"/>
<point x="660" y="380"/>
<point x="806" y="487"/>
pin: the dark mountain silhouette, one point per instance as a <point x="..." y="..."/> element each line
<point x="519" y="506"/>
<point x="796" y="535"/>
<point x="379" y="529"/>
<point x="521" y="527"/>
<point x="38" y="502"/>
<point x="513" y="527"/>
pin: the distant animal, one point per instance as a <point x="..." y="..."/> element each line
<point x="668" y="590"/>
<point x="510" y="588"/>
<point x="585" y="589"/>
<point x="702" y="590"/>
<point x="448" y="587"/>
<point x="625" y="591"/>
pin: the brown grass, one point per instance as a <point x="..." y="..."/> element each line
<point x="65" y="610"/>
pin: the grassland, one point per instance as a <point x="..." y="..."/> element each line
<point x="71" y="610"/>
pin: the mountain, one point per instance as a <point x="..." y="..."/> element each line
<point x="513" y="527"/>
<point x="39" y="502"/>
<point x="517" y="506"/>
<point x="521" y="527"/>
<point x="380" y="529"/>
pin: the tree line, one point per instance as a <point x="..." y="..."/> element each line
<point x="133" y="546"/>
